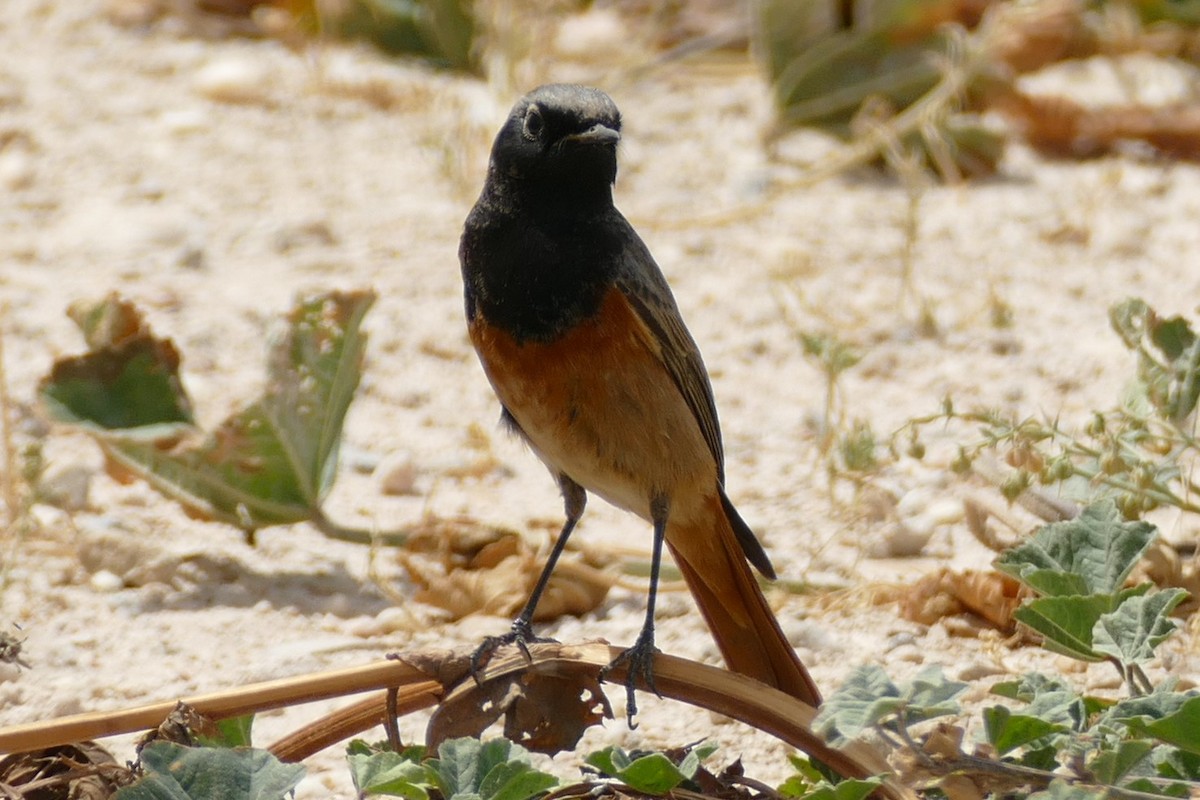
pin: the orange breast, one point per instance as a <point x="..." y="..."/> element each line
<point x="598" y="405"/>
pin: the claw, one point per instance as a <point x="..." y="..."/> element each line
<point x="521" y="635"/>
<point x="639" y="663"/>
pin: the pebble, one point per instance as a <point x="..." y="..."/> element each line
<point x="106" y="582"/>
<point x="17" y="169"/>
<point x="66" y="487"/>
<point x="396" y="475"/>
<point x="978" y="670"/>
<point x="919" y="511"/>
<point x="232" y="79"/>
<point x="910" y="653"/>
<point x="358" y="459"/>
<point x="898" y="540"/>
<point x="184" y="121"/>
<point x="298" y="235"/>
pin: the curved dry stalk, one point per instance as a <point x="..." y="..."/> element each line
<point x="712" y="688"/>
<point x="425" y="678"/>
<point x="353" y="720"/>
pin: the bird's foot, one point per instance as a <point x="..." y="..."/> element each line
<point x="521" y="635"/>
<point x="639" y="664"/>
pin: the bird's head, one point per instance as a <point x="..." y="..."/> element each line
<point x="560" y="141"/>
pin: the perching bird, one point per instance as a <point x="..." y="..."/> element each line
<point x="584" y="346"/>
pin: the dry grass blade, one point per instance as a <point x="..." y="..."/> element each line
<point x="217" y="705"/>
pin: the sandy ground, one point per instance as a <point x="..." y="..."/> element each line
<point x="213" y="181"/>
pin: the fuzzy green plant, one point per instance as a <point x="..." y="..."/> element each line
<point x="1140" y="453"/>
<point x="1047" y="737"/>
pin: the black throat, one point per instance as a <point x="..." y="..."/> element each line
<point x="537" y="257"/>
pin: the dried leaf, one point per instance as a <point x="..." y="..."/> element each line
<point x="942" y="594"/>
<point x="1061" y="127"/>
<point x="545" y="713"/>
<point x="84" y="770"/>
<point x="1028" y="36"/>
<point x="499" y="576"/>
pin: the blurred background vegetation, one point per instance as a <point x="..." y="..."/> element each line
<point x="932" y="82"/>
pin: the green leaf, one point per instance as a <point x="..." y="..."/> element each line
<point x="231" y="732"/>
<point x="929" y="694"/>
<point x="1043" y="758"/>
<point x="1112" y="766"/>
<point x="1066" y="623"/>
<point x="1062" y="708"/>
<point x="1098" y="549"/>
<point x="457" y="766"/>
<point x="1138" y="625"/>
<point x="1181" y="728"/>
<point x="494" y="770"/>
<point x="1175" y="764"/>
<point x="609" y="761"/>
<point x="440" y="30"/>
<point x="1029" y="686"/>
<point x="869" y="698"/>
<point x="515" y="781"/>
<point x="174" y="772"/>
<point x="391" y="774"/>
<point x="1159" y="704"/>
<point x="271" y="463"/>
<point x="1060" y="789"/>
<point x="653" y="774"/>
<point x="134" y="385"/>
<point x="849" y="789"/>
<point x="1007" y="731"/>
<point x="689" y="765"/>
<point x="1168" y="354"/>
<point x="864" y="699"/>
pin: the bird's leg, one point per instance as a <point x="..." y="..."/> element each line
<point x="521" y="633"/>
<point x="639" y="659"/>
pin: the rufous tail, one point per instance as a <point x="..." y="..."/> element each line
<point x="742" y="623"/>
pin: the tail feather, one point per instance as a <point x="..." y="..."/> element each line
<point x="746" y="631"/>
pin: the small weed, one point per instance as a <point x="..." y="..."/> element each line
<point x="1047" y="734"/>
<point x="1140" y="453"/>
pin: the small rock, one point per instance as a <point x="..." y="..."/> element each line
<point x="898" y="540"/>
<point x="232" y="79"/>
<point x="184" y="121"/>
<point x="914" y="501"/>
<point x="190" y="256"/>
<point x="313" y="233"/>
<point x="358" y="459"/>
<point x="396" y="475"/>
<point x="133" y="13"/>
<point x="106" y="582"/>
<point x="17" y="170"/>
<point x="910" y="653"/>
<point x="66" y="487"/>
<point x="947" y="511"/>
<point x="978" y="671"/>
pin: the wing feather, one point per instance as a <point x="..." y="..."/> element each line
<point x="642" y="282"/>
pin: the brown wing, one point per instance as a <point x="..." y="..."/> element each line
<point x="643" y="284"/>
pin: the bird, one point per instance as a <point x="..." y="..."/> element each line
<point x="583" y="343"/>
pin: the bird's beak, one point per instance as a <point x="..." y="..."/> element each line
<point x="597" y="134"/>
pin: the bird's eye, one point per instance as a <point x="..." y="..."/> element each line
<point x="534" y="124"/>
